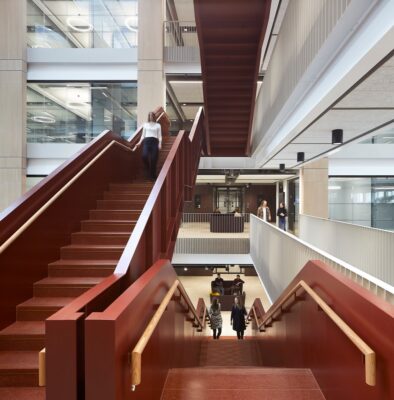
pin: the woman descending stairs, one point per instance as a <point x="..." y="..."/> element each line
<point x="91" y="256"/>
<point x="232" y="369"/>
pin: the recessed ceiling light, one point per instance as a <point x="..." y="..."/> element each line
<point x="76" y="104"/>
<point x="79" y="24"/>
<point x="43" y="119"/>
<point x="184" y="104"/>
<point x="130" y="24"/>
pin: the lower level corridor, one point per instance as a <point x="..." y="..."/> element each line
<point x="199" y="287"/>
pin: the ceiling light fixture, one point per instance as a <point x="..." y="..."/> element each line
<point x="300" y="156"/>
<point x="334" y="187"/>
<point x="337" y="136"/>
<point x="43" y="119"/>
<point x="130" y="24"/>
<point x="75" y="104"/>
<point x="79" y="24"/>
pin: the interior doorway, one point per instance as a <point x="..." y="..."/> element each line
<point x="227" y="199"/>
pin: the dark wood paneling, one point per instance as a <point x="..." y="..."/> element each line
<point x="266" y="192"/>
<point x="206" y="193"/>
<point x="306" y="337"/>
<point x="206" y="200"/>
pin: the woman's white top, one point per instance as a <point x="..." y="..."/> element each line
<point x="151" y="129"/>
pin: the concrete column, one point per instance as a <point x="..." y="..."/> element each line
<point x="314" y="189"/>
<point x="151" y="79"/>
<point x="12" y="100"/>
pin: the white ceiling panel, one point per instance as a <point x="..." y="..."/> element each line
<point x="185" y="10"/>
<point x="190" y="111"/>
<point x="368" y="106"/>
<point x="188" y="92"/>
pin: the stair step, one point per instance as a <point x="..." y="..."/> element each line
<point x="18" y="368"/>
<point x="91" y="252"/>
<point x="23" y="335"/>
<point x="64" y="286"/>
<point x="229" y="383"/>
<point x="132" y="205"/>
<point x="21" y="393"/>
<point x="125" y="196"/>
<point x="230" y="352"/>
<point x="107" y="226"/>
<point x="114" y="215"/>
<point x="131" y="187"/>
<point x="98" y="238"/>
<point x="40" y="308"/>
<point x="80" y="268"/>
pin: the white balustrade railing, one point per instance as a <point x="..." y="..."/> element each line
<point x="370" y="249"/>
<point x="197" y="218"/>
<point x="278" y="257"/>
<point x="181" y="42"/>
<point x="213" y="233"/>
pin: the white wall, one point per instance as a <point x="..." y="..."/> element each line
<point x="43" y="158"/>
<point x="91" y="64"/>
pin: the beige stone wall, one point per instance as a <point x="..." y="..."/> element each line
<point x="12" y="100"/>
<point x="314" y="189"/>
<point x="151" y="79"/>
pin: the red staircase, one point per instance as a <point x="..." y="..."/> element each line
<point x="232" y="369"/>
<point x="230" y="35"/>
<point x="92" y="255"/>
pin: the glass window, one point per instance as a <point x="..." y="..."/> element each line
<point x="82" y="23"/>
<point x="77" y="112"/>
<point x="365" y="201"/>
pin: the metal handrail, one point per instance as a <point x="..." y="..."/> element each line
<point x="136" y="354"/>
<point x="369" y="354"/>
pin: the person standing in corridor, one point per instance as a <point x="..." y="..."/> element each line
<point x="238" y="314"/>
<point x="151" y="140"/>
<point x="264" y="212"/>
<point x="282" y="214"/>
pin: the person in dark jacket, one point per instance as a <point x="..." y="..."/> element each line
<point x="219" y="284"/>
<point x="238" y="314"/>
<point x="282" y="214"/>
<point x="237" y="286"/>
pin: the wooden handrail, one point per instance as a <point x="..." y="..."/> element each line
<point x="369" y="354"/>
<point x="27" y="223"/>
<point x="190" y="305"/>
<point x="136" y="354"/>
<point x="41" y="368"/>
